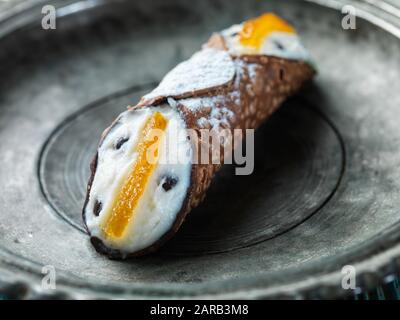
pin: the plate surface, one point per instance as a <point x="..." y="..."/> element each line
<point x="324" y="194"/>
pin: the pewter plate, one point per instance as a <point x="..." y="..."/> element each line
<point x="324" y="193"/>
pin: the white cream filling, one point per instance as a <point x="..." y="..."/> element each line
<point x="157" y="208"/>
<point x="279" y="44"/>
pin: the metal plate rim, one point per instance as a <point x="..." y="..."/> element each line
<point x="378" y="263"/>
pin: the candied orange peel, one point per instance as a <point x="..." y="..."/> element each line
<point x="254" y="31"/>
<point x="128" y="196"/>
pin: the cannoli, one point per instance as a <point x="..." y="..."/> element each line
<point x="144" y="180"/>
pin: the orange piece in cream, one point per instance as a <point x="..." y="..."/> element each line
<point x="254" y="31"/>
<point x="133" y="187"/>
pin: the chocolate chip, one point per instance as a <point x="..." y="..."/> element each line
<point x="120" y="142"/>
<point x="97" y="208"/>
<point x="169" y="183"/>
<point x="279" y="45"/>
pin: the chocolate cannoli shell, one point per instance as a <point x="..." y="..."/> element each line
<point x="258" y="86"/>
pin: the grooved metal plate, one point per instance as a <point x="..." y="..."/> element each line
<point x="324" y="193"/>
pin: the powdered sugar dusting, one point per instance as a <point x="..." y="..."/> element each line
<point x="218" y="116"/>
<point x="252" y="69"/>
<point x="220" y="119"/>
<point x="199" y="103"/>
<point x="207" y="68"/>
